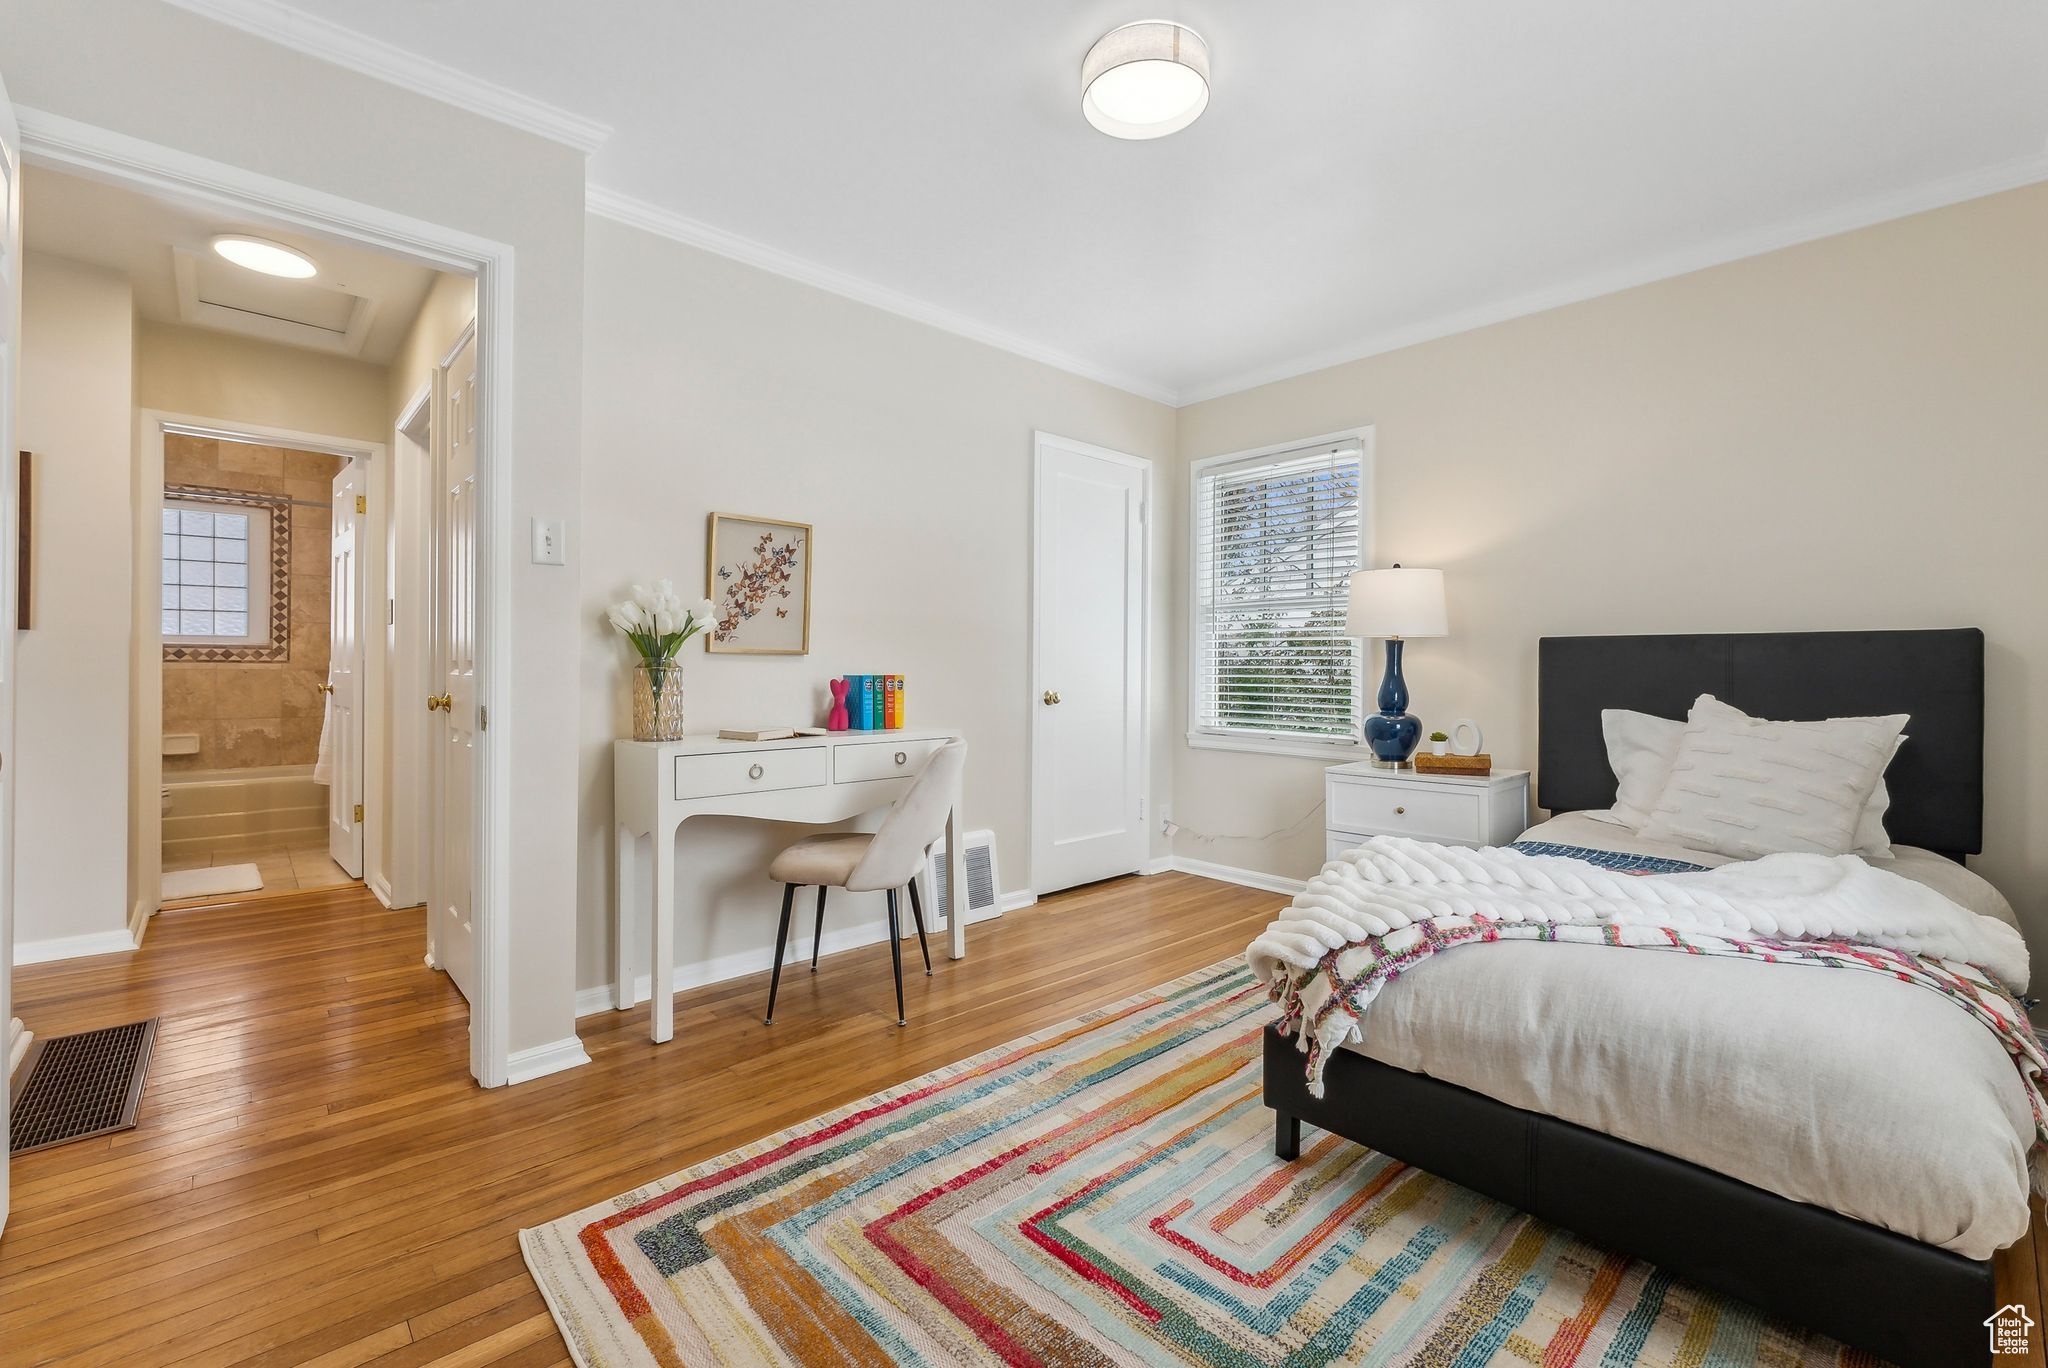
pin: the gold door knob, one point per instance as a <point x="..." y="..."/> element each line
<point x="444" y="702"/>
<point x="1051" y="697"/>
<point x="326" y="688"/>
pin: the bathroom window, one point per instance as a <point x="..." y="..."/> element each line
<point x="225" y="595"/>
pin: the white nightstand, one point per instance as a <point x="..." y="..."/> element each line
<point x="1361" y="800"/>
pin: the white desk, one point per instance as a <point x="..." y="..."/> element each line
<point x="659" y="785"/>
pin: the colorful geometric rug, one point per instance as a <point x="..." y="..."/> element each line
<point x="1106" y="1192"/>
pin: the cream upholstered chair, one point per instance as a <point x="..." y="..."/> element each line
<point x="889" y="860"/>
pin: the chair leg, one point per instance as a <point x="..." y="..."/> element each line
<point x="818" y="935"/>
<point x="896" y="956"/>
<point x="781" y="940"/>
<point x="917" y="915"/>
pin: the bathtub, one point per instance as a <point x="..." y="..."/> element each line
<point x="277" y="806"/>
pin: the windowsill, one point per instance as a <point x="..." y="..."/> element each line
<point x="1329" y="752"/>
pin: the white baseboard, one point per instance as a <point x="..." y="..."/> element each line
<point x="1249" y="878"/>
<point x="18" y="1037"/>
<point x="590" y="1001"/>
<point x="523" y="1066"/>
<point x="74" y="947"/>
<point x="380" y="888"/>
<point x="1162" y="865"/>
<point x="138" y="921"/>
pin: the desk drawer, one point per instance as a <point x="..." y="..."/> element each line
<point x="857" y="763"/>
<point x="709" y="776"/>
<point x="1439" y="815"/>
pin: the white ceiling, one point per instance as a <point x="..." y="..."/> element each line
<point x="142" y="237"/>
<point x="1367" y="173"/>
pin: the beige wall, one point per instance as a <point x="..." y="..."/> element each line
<point x="178" y="80"/>
<point x="714" y="386"/>
<point x="198" y="373"/>
<point x="71" y="876"/>
<point x="1847" y="434"/>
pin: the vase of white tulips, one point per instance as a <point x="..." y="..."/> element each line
<point x="656" y="621"/>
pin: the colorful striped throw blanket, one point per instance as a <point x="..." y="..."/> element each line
<point x="1379" y="910"/>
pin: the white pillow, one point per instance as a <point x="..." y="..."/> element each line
<point x="1641" y="747"/>
<point x="1747" y="787"/>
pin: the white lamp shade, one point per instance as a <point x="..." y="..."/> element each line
<point x="1397" y="603"/>
<point x="1145" y="80"/>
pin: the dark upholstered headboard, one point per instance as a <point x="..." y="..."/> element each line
<point x="1936" y="781"/>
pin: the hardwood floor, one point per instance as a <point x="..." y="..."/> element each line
<point x="315" y="1180"/>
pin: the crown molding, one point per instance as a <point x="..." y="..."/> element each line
<point x="1865" y="213"/>
<point x="652" y="218"/>
<point x="277" y="22"/>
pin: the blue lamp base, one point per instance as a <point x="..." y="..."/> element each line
<point x="1393" y="732"/>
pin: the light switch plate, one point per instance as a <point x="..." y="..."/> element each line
<point x="550" y="537"/>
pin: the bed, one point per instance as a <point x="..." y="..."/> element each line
<point x="1692" y="1111"/>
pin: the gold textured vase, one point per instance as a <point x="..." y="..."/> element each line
<point x="658" y="701"/>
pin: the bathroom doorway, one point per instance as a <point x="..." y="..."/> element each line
<point x="263" y="673"/>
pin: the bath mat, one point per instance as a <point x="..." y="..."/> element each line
<point x="80" y="1085"/>
<point x="206" y="883"/>
<point x="1105" y="1192"/>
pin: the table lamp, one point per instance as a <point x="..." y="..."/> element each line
<point x="1395" y="604"/>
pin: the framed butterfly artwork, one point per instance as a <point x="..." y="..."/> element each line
<point x="759" y="584"/>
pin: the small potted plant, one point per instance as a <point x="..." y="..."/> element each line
<point x="658" y="624"/>
<point x="1439" y="742"/>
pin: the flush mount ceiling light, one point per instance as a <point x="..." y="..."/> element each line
<point x="1145" y="80"/>
<point x="259" y="254"/>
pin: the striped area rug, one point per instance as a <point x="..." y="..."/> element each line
<point x="1105" y="1192"/>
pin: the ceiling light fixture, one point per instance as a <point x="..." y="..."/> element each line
<point x="1145" y="80"/>
<point x="260" y="254"/>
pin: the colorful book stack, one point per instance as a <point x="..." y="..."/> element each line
<point x="874" y="702"/>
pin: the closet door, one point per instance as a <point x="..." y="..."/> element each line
<point x="344" y="727"/>
<point x="10" y="549"/>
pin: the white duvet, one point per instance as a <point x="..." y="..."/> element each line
<point x="1879" y="1099"/>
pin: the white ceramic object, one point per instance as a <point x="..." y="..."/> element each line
<point x="1458" y="744"/>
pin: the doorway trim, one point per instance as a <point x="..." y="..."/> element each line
<point x="1040" y="441"/>
<point x="102" y="154"/>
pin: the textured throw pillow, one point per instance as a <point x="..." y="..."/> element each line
<point x="1746" y="787"/>
<point x="1641" y="747"/>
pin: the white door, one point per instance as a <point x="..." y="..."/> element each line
<point x="10" y="324"/>
<point x="1088" y="686"/>
<point x="454" y="671"/>
<point x="345" y="670"/>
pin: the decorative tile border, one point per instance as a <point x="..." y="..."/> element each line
<point x="279" y="647"/>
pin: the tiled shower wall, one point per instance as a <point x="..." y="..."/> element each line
<point x="251" y="715"/>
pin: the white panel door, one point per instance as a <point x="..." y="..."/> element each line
<point x="455" y="643"/>
<point x="345" y="671"/>
<point x="10" y="475"/>
<point x="1088" y="690"/>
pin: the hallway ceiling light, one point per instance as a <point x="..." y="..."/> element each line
<point x="259" y="254"/>
<point x="1145" y="80"/>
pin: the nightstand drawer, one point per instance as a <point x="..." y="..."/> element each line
<point x="708" y="776"/>
<point x="1426" y="814"/>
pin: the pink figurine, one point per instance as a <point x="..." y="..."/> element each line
<point x="837" y="720"/>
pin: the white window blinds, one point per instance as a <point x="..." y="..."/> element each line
<point x="1276" y="538"/>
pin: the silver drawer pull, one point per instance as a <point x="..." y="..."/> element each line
<point x="901" y="758"/>
<point x="1398" y="812"/>
<point x="755" y="771"/>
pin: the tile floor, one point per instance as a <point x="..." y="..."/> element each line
<point x="285" y="868"/>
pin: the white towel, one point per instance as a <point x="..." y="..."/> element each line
<point x="323" y="767"/>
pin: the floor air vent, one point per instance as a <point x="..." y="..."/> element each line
<point x="74" y="1086"/>
<point x="981" y="872"/>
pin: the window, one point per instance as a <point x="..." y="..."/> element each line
<point x="1276" y="537"/>
<point x="216" y="573"/>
